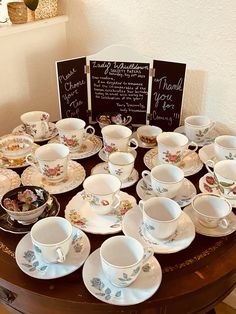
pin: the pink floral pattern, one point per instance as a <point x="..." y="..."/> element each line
<point x="53" y="172"/>
<point x="70" y="142"/>
<point x="172" y="158"/>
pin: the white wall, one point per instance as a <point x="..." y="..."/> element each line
<point x="200" y="33"/>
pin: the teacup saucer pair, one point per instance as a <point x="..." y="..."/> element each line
<point x="132" y="225"/>
<point x="37" y="268"/>
<point x="9" y="180"/>
<point x="79" y="213"/>
<point x="184" y="197"/>
<point x="190" y="165"/>
<point x="75" y="176"/>
<point x="207" y="184"/>
<point x="90" y="147"/>
<point x="208" y="139"/>
<point x="52" y="132"/>
<point x="102" y="155"/>
<point x="103" y="168"/>
<point x="12" y="226"/>
<point x="140" y="143"/>
<point x="140" y="290"/>
<point x="212" y="232"/>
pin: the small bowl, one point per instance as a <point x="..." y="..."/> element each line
<point x="15" y="146"/>
<point x="147" y="134"/>
<point x="107" y="118"/>
<point x="30" y="216"/>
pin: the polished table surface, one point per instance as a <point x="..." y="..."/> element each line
<point x="194" y="280"/>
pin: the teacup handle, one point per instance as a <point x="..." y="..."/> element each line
<point x="223" y="223"/>
<point x="148" y="253"/>
<point x="127" y="120"/>
<point x="141" y="205"/>
<point x="61" y="255"/>
<point x="44" y="126"/>
<point x="210" y="165"/>
<point x="89" y="131"/>
<point x="190" y="151"/>
<point x="134" y="142"/>
<point x="116" y="201"/>
<point x="31" y="160"/>
<point x="146" y="175"/>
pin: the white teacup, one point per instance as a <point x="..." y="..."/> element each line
<point x="166" y="179"/>
<point x="211" y="210"/>
<point x="51" y="160"/>
<point x="173" y="147"/>
<point x="122" y="258"/>
<point x="147" y="134"/>
<point x="197" y="127"/>
<point x="117" y="138"/>
<point x="160" y="216"/>
<point x="72" y="132"/>
<point x="102" y="192"/>
<point x="225" y="147"/>
<point x="36" y="123"/>
<point x="121" y="164"/>
<point x="224" y="172"/>
<point x="52" y="238"/>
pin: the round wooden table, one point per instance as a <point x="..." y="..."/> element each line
<point x="194" y="280"/>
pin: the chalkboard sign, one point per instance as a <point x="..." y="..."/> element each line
<point x="72" y="88"/>
<point x="167" y="93"/>
<point x="119" y="87"/>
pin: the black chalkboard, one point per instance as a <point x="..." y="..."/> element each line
<point x="72" y="87"/>
<point x="167" y="93"/>
<point x="119" y="87"/>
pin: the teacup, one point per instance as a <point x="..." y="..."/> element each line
<point x="122" y="258"/>
<point x="173" y="147"/>
<point x="160" y="216"/>
<point x="147" y="134"/>
<point x="121" y="164"/>
<point x="36" y="123"/>
<point x="224" y="172"/>
<point x="102" y="192"/>
<point x="51" y="160"/>
<point x="52" y="238"/>
<point x="107" y="118"/>
<point x="72" y="132"/>
<point x="211" y="210"/>
<point x="15" y="146"/>
<point x="198" y="127"/>
<point x="225" y="147"/>
<point x="166" y="179"/>
<point x="117" y="138"/>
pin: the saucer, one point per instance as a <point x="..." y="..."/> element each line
<point x="184" y="197"/>
<point x="80" y="215"/>
<point x="9" y="180"/>
<point x="207" y="152"/>
<point x="102" y="155"/>
<point x="76" y="175"/>
<point x="207" y="184"/>
<point x="208" y="139"/>
<point x="132" y="225"/>
<point x="140" y="143"/>
<point x="103" y="168"/>
<point x="19" y="163"/>
<point x="12" y="226"/>
<point x="52" y="132"/>
<point x="140" y="290"/>
<point x="90" y="147"/>
<point x="191" y="164"/>
<point x="36" y="268"/>
<point x="212" y="232"/>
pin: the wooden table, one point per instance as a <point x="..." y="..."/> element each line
<point x="194" y="280"/>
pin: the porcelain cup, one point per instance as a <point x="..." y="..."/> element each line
<point x="117" y="138"/>
<point x="225" y="147"/>
<point x="173" y="147"/>
<point x="121" y="164"/>
<point x="166" y="179"/>
<point x="211" y="210"/>
<point x="36" y="123"/>
<point x="198" y="127"/>
<point x="224" y="172"/>
<point x="102" y="192"/>
<point x="122" y="258"/>
<point x="147" y="134"/>
<point x="72" y="132"/>
<point x="52" y="238"/>
<point x="160" y="216"/>
<point x="51" y="160"/>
